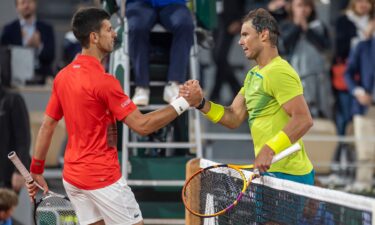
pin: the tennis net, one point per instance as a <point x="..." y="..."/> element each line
<point x="273" y="201"/>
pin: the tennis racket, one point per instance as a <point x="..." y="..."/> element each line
<point x="53" y="208"/>
<point x="201" y="186"/>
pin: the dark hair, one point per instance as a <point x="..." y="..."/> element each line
<point x="309" y="3"/>
<point x="262" y="20"/>
<point x="86" y="21"/>
<point x="8" y="199"/>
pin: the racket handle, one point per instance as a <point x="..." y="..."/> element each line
<point x="286" y="152"/>
<point x="22" y="169"/>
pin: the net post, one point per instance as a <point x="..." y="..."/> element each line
<point x="191" y="167"/>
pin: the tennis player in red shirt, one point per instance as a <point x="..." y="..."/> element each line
<point x="90" y="100"/>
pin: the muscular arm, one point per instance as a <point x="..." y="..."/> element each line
<point x="44" y="137"/>
<point x="145" y="124"/>
<point x="234" y="114"/>
<point x="300" y="118"/>
<point x="42" y="144"/>
<point x="299" y="123"/>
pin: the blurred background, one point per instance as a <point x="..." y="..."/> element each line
<point x="318" y="37"/>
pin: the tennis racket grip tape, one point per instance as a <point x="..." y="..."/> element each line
<point x="292" y="149"/>
<point x="22" y="169"/>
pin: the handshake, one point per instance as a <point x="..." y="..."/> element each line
<point x="192" y="92"/>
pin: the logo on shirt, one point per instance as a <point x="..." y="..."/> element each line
<point x="136" y="215"/>
<point x="126" y="103"/>
<point x="76" y="66"/>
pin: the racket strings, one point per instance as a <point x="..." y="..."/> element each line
<point x="218" y="187"/>
<point x="55" y="210"/>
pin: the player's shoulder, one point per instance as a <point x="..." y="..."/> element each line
<point x="60" y="74"/>
<point x="281" y="67"/>
<point x="64" y="71"/>
<point x="106" y="82"/>
<point x="280" y="63"/>
<point x="109" y="78"/>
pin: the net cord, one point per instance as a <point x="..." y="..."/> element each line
<point x="318" y="193"/>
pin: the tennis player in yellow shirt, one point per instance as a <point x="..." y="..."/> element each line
<point x="271" y="99"/>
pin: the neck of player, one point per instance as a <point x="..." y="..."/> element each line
<point x="94" y="52"/>
<point x="266" y="56"/>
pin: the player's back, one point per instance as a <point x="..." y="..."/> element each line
<point x="92" y="135"/>
<point x="77" y="87"/>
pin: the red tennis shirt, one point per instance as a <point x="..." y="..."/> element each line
<point x="90" y="101"/>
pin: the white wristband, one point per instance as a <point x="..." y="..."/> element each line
<point x="180" y="105"/>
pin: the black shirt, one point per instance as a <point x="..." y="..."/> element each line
<point x="14" y="133"/>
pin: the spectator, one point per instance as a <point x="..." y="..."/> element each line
<point x="29" y="31"/>
<point x="277" y="8"/>
<point x="351" y="27"/>
<point x="361" y="63"/>
<point x="336" y="8"/>
<point x="176" y="18"/>
<point x="305" y="39"/>
<point x="15" y="136"/>
<point x="229" y="26"/>
<point x="8" y="202"/>
<point x="315" y="212"/>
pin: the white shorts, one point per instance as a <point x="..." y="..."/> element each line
<point x="115" y="204"/>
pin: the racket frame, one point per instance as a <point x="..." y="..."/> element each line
<point x="246" y="182"/>
<point x="29" y="179"/>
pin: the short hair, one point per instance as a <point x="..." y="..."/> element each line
<point x="87" y="20"/>
<point x="8" y="199"/>
<point x="262" y="20"/>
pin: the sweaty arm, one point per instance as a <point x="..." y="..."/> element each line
<point x="299" y="123"/>
<point x="44" y="137"/>
<point x="300" y="118"/>
<point x="233" y="115"/>
<point x="145" y="124"/>
<point x="42" y="144"/>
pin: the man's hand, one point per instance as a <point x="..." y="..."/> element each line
<point x="17" y="182"/>
<point x="370" y="29"/>
<point x="33" y="189"/>
<point x="192" y="92"/>
<point x="300" y="19"/>
<point x="364" y="99"/>
<point x="264" y="159"/>
<point x="362" y="96"/>
<point x="275" y="5"/>
<point x="35" y="40"/>
<point x="234" y="27"/>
